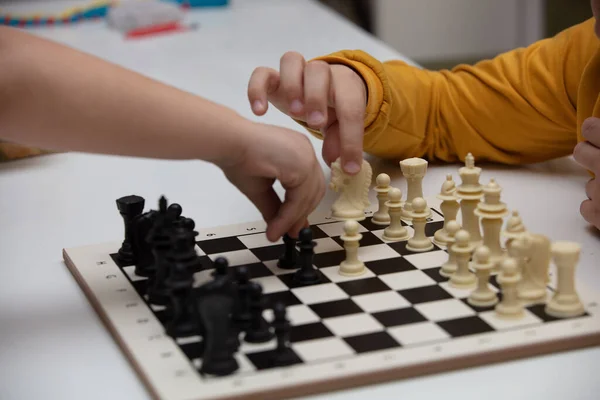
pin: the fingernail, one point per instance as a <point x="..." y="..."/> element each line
<point x="351" y="167"/>
<point x="296" y="106"/>
<point x="315" y="118"/>
<point x="257" y="105"/>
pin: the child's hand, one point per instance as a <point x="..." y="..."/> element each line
<point x="587" y="154"/>
<point x="329" y="98"/>
<point x="272" y="153"/>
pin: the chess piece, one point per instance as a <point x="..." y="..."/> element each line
<point x="351" y="266"/>
<point x="566" y="302"/>
<point x="160" y="239"/>
<point x="463" y="278"/>
<point x="129" y="207"/>
<point x="396" y="230"/>
<point x="144" y="259"/>
<point x="414" y="170"/>
<point x="449" y="207"/>
<point x="470" y="192"/>
<point x="174" y="210"/>
<point x="492" y="212"/>
<point x="353" y="191"/>
<point x="382" y="217"/>
<point x="534" y="251"/>
<point x="283" y="354"/>
<point x="290" y="256"/>
<point x="449" y="267"/>
<point x="419" y="242"/>
<point x="483" y="295"/>
<point x="508" y="278"/>
<point x="242" y="315"/>
<point x="258" y="331"/>
<point x="513" y="229"/>
<point x="307" y="274"/>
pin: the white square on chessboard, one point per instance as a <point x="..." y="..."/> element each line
<point x="379" y="234"/>
<point x="333" y="274"/>
<point x="435" y="217"/>
<point x="247" y="348"/>
<point x="130" y="271"/>
<point x="337" y="228"/>
<point x="459" y="293"/>
<point x="376" y="252"/>
<point x="322" y="349"/>
<point x="500" y="323"/>
<point x="421" y="332"/>
<point x="442" y="310"/>
<point x="430" y="259"/>
<point x="326" y="245"/>
<point x="270" y="284"/>
<point x="352" y="325"/>
<point x="407" y="280"/>
<point x="257" y="240"/>
<point x="320" y="293"/>
<point x="382" y="301"/>
<point x="200" y="278"/>
<point x="298" y="314"/>
<point x="238" y="257"/>
<point x="199" y="251"/>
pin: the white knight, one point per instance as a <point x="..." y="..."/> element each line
<point x="353" y="192"/>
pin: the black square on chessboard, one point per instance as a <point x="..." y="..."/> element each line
<point x="434" y="273"/>
<point x="329" y="259"/>
<point x="370" y="226"/>
<point x="257" y="270"/>
<point x="268" y="253"/>
<point x="425" y="294"/>
<point x="221" y="245"/>
<point x="115" y="257"/>
<point x="465" y="326"/>
<point x="316" y="330"/>
<point x="389" y="265"/>
<point x="286" y="297"/>
<point x="140" y="286"/>
<point x="400" y="247"/>
<point x="432" y="227"/>
<point x="317" y="233"/>
<point x="193" y="350"/>
<point x="372" y="342"/>
<point x="539" y="311"/>
<point x="397" y="317"/>
<point x="264" y="359"/>
<point x="368" y="239"/>
<point x="290" y="282"/>
<point x="363" y="286"/>
<point x="336" y="308"/>
<point x="481" y="309"/>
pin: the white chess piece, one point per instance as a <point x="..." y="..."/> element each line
<point x="414" y="170"/>
<point x="351" y="266"/>
<point x="463" y="278"/>
<point x="492" y="212"/>
<point x="536" y="266"/>
<point x="395" y="230"/>
<point x="470" y="192"/>
<point x="566" y="302"/>
<point x="382" y="217"/>
<point x="513" y="229"/>
<point x="449" y="209"/>
<point x="449" y="267"/>
<point x="354" y="192"/>
<point x="508" y="278"/>
<point x="419" y="242"/>
<point x="483" y="295"/>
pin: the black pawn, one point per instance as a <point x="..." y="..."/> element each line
<point x="129" y="207"/>
<point x="283" y="354"/>
<point x="174" y="210"/>
<point x="259" y="330"/>
<point x="306" y="275"/>
<point x="160" y="239"/>
<point x="289" y="258"/>
<point x="242" y="315"/>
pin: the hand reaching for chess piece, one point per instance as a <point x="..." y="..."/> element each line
<point x="587" y="153"/>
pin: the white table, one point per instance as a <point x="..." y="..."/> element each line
<point x="52" y="345"/>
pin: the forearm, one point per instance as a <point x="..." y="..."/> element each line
<point x="57" y="98"/>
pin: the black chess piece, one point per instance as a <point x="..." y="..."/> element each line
<point x="306" y="275"/>
<point x="184" y="319"/>
<point x="160" y="239"/>
<point x="221" y="268"/>
<point x="241" y="314"/>
<point x="129" y="207"/>
<point x="219" y="354"/>
<point x="175" y="212"/>
<point x="283" y="354"/>
<point x="259" y="330"/>
<point x="288" y="259"/>
<point x="144" y="263"/>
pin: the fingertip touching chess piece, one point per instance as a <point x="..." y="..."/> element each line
<point x="289" y="258"/>
<point x="565" y="303"/>
<point x="353" y="192"/>
<point x="449" y="208"/>
<point x="463" y="278"/>
<point x="419" y="242"/>
<point x="396" y="230"/>
<point x="449" y="267"/>
<point x="483" y="295"/>
<point x="351" y="266"/>
<point x="508" y="278"/>
<point x="382" y="217"/>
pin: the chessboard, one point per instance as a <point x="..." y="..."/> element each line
<point x="399" y="318"/>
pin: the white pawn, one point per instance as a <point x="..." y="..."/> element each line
<point x="463" y="278"/>
<point x="419" y="242"/>
<point x="449" y="267"/>
<point x="483" y="295"/>
<point x="382" y="217"/>
<point x="449" y="209"/>
<point x="395" y="231"/>
<point x="566" y="302"/>
<point x="508" y="278"/>
<point x="351" y="266"/>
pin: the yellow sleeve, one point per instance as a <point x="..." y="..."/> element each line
<point x="520" y="107"/>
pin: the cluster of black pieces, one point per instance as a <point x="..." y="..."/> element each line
<point x="161" y="245"/>
<point x="298" y="254"/>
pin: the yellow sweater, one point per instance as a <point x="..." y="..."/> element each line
<point x="523" y="106"/>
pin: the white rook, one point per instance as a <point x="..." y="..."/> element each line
<point x="565" y="303"/>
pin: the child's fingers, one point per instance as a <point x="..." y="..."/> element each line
<point x="316" y="93"/>
<point x="293" y="206"/>
<point x="591" y="190"/>
<point x="331" y="144"/>
<point x="292" y="78"/>
<point x="588" y="156"/>
<point x="590" y="130"/>
<point x="589" y="212"/>
<point x="263" y="82"/>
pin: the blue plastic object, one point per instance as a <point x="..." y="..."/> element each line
<point x="201" y="3"/>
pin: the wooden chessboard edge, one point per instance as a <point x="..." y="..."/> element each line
<point x="89" y="293"/>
